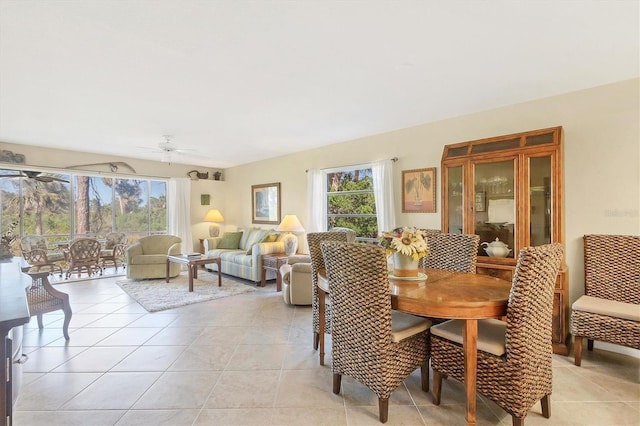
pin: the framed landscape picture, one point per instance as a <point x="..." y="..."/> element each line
<point x="265" y="203"/>
<point x="419" y="191"/>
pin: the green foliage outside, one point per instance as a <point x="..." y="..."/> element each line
<point x="46" y="208"/>
<point x="351" y="203"/>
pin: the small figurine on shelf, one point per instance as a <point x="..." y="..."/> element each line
<point x="217" y="175"/>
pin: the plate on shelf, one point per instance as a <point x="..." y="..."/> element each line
<point x="420" y="277"/>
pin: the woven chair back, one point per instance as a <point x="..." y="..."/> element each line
<point x="530" y="307"/>
<point x="453" y="252"/>
<point x="612" y="267"/>
<point x="84" y="249"/>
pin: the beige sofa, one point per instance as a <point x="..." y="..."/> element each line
<point x="148" y="257"/>
<point x="244" y="259"/>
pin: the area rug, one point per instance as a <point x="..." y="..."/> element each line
<point x="157" y="295"/>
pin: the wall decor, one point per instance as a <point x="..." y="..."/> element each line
<point x="265" y="203"/>
<point x="419" y="190"/>
<point x="204" y="199"/>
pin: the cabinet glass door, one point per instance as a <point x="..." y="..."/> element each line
<point x="455" y="199"/>
<point x="494" y="208"/>
<point x="540" y="200"/>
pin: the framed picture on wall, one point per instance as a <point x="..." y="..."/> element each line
<point x="265" y="203"/>
<point x="419" y="191"/>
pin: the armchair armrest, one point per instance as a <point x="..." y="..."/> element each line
<point x="175" y="249"/>
<point x="133" y="250"/>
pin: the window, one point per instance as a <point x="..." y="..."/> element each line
<point x="350" y="201"/>
<point x="84" y="205"/>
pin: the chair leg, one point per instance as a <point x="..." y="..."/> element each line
<point x="67" y="320"/>
<point x="40" y="325"/>
<point x="437" y="386"/>
<point x="316" y="340"/>
<point x="546" y="406"/>
<point x="517" y="421"/>
<point x="577" y="350"/>
<point x="383" y="409"/>
<point x="337" y="382"/>
<point x="424" y="376"/>
<point x="589" y="344"/>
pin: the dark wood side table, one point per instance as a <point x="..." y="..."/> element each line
<point x="273" y="262"/>
<point x="192" y="263"/>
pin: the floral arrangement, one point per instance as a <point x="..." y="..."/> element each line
<point x="408" y="241"/>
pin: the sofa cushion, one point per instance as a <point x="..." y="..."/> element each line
<point x="255" y="236"/>
<point x="230" y="240"/>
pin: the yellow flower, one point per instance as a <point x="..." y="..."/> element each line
<point x="408" y="241"/>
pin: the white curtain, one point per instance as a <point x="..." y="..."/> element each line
<point x="179" y="201"/>
<point x="316" y="202"/>
<point x="382" y="172"/>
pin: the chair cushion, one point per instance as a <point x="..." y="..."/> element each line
<point x="255" y="237"/>
<point x="405" y="325"/>
<point x="607" y="307"/>
<point x="491" y="334"/>
<point x="230" y="240"/>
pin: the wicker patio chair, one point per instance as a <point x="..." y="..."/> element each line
<point x="84" y="253"/>
<point x="371" y="343"/>
<point x="113" y="250"/>
<point x="43" y="298"/>
<point x="36" y="253"/>
<point x="609" y="311"/>
<point x="514" y="357"/>
<point x="317" y="263"/>
<point x="453" y="252"/>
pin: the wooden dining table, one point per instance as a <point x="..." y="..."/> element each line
<point x="448" y="295"/>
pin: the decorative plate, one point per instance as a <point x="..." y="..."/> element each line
<point x="420" y="277"/>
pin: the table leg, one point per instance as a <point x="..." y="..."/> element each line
<point x="219" y="262"/>
<point x="278" y="280"/>
<point x="167" y="276"/>
<point x="321" y="314"/>
<point x="470" y="348"/>
<point x="190" y="268"/>
<point x="195" y="271"/>
<point x="264" y="277"/>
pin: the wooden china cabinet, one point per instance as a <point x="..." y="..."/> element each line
<point x="510" y="188"/>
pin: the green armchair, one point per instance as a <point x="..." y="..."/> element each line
<point x="148" y="257"/>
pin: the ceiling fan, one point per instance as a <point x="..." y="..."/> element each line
<point x="38" y="176"/>
<point x="167" y="148"/>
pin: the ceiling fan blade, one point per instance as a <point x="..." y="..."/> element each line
<point x="12" y="176"/>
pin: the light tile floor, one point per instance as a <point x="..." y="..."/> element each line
<point x="248" y="360"/>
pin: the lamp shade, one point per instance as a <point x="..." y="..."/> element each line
<point x="213" y="215"/>
<point x="290" y="223"/>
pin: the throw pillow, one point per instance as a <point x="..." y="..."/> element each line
<point x="255" y="237"/>
<point x="270" y="238"/>
<point x="230" y="240"/>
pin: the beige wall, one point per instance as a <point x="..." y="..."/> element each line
<point x="602" y="162"/>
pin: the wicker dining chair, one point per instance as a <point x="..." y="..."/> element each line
<point x="371" y="343"/>
<point x="317" y="263"/>
<point x="453" y="252"/>
<point x="36" y="253"/>
<point x="609" y="311"/>
<point x="84" y="254"/>
<point x="514" y="357"/>
<point x="43" y="298"/>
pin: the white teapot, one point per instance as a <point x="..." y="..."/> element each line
<point x="497" y="248"/>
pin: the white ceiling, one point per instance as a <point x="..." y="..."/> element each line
<point x="240" y="81"/>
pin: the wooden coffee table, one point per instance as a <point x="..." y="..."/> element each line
<point x="192" y="263"/>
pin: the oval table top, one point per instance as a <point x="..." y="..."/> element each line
<point x="447" y="294"/>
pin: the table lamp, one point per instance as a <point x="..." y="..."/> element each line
<point x="290" y="224"/>
<point x="214" y="216"/>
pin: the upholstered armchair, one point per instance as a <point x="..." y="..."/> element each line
<point x="296" y="281"/>
<point x="148" y="257"/>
